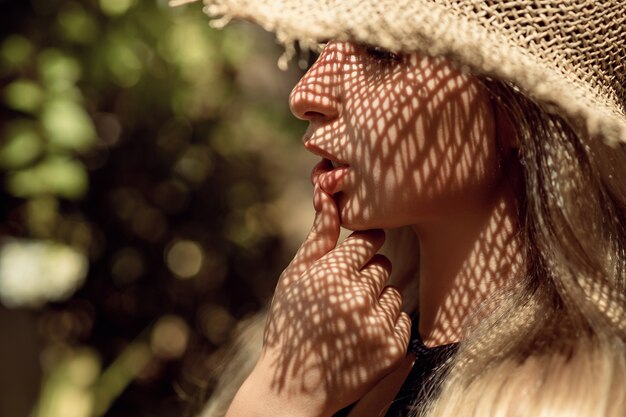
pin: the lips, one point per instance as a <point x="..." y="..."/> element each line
<point x="337" y="164"/>
<point x="329" y="175"/>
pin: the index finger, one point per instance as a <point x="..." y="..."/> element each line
<point x="358" y="248"/>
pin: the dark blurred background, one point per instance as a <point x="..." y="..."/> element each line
<point x="152" y="188"/>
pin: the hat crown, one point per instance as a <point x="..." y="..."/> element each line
<point x="585" y="38"/>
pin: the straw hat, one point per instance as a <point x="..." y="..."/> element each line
<point x="568" y="55"/>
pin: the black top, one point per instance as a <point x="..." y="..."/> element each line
<point x="417" y="383"/>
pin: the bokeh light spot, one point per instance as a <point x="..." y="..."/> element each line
<point x="123" y="62"/>
<point x="21" y="145"/>
<point x="59" y="71"/>
<point x="32" y="271"/>
<point x="56" y="175"/>
<point x="16" y="50"/>
<point x="170" y="337"/>
<point x="216" y="323"/>
<point x="68" y="125"/>
<point x="195" y="165"/>
<point x="184" y="258"/>
<point x="23" y="95"/>
<point x="76" y="24"/>
<point x="109" y="128"/>
<point x="116" y="7"/>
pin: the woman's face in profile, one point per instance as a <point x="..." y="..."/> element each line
<point x="411" y="139"/>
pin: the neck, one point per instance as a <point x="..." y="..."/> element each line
<point x="464" y="260"/>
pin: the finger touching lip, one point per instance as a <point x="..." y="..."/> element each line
<point x="333" y="180"/>
<point x="320" y="168"/>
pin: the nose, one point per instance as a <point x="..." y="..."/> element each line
<point x="316" y="97"/>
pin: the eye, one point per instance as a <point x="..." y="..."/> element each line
<point x="382" y="55"/>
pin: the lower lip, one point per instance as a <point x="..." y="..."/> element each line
<point x="330" y="181"/>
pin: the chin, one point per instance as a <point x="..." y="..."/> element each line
<point x="350" y="221"/>
<point x="353" y="216"/>
<point x="348" y="216"/>
<point x="358" y="223"/>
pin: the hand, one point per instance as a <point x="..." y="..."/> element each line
<point x="334" y="329"/>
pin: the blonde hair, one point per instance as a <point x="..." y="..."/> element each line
<point x="555" y="343"/>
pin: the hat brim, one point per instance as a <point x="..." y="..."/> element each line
<point x="434" y="29"/>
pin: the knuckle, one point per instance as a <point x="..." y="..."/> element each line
<point x="365" y="292"/>
<point x="373" y="294"/>
<point x="378" y="273"/>
<point x="405" y="320"/>
<point x="394" y="292"/>
<point x="396" y="351"/>
<point x="392" y="296"/>
<point x="404" y="324"/>
<point x="381" y="262"/>
<point x="404" y="332"/>
<point x="373" y="283"/>
<point x="360" y="299"/>
<point x="387" y="362"/>
<point x="375" y="324"/>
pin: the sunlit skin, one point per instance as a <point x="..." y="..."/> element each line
<point x="418" y="136"/>
<point x="419" y="141"/>
<point x="405" y="141"/>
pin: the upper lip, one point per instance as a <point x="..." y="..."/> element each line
<point x="323" y="153"/>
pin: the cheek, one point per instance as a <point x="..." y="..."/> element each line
<point x="445" y="161"/>
<point x="456" y="153"/>
<point x="423" y="145"/>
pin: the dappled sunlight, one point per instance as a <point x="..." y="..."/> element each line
<point x="495" y="257"/>
<point x="409" y="131"/>
<point x="408" y="140"/>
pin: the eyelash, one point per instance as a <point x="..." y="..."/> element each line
<point x="377" y="54"/>
<point x="382" y="56"/>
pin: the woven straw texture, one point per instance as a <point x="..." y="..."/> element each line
<point x="569" y="56"/>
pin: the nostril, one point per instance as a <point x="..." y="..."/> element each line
<point x="313" y="103"/>
<point x="309" y="115"/>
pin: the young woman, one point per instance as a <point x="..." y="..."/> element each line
<point x="482" y="129"/>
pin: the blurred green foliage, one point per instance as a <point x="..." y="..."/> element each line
<point x="140" y="139"/>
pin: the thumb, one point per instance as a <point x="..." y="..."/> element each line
<point x="323" y="235"/>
